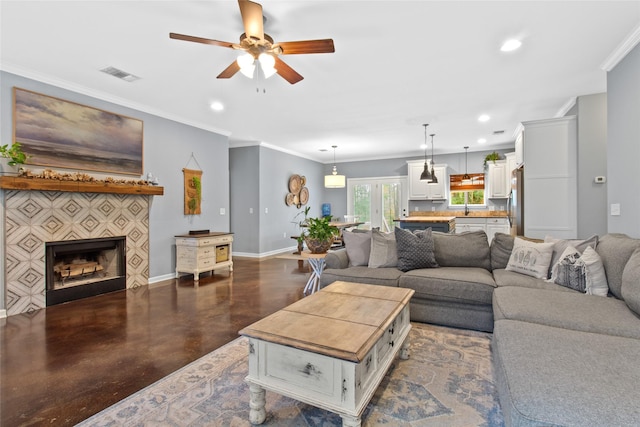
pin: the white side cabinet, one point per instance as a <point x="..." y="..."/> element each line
<point x="421" y="190"/>
<point x="199" y="253"/>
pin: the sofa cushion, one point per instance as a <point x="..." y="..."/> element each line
<point x="530" y="258"/>
<point x="358" y="247"/>
<point x="501" y="248"/>
<point x="415" y="250"/>
<point x="631" y="282"/>
<point x="383" y="250"/>
<point x="551" y="376"/>
<point x="569" y="310"/>
<point x="559" y="246"/>
<point x="471" y="285"/>
<point x="372" y="276"/>
<point x="510" y="278"/>
<point x="470" y="249"/>
<point x="337" y="259"/>
<point x="615" y="250"/>
<point x="581" y="272"/>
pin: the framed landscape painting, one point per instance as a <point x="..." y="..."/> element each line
<point x="63" y="134"/>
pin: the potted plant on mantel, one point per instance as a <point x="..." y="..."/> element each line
<point x="10" y="158"/>
<point x="319" y="234"/>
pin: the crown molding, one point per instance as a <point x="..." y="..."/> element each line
<point x="622" y="50"/>
<point x="103" y="96"/>
<point x="566" y="107"/>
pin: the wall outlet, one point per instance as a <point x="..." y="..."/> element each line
<point x="415" y="208"/>
<point x="222" y="211"/>
<point x="250" y="210"/>
<point x="266" y="210"/>
<point x="433" y="208"/>
<point x="284" y="234"/>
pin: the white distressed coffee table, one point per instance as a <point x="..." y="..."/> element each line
<point x="330" y="349"/>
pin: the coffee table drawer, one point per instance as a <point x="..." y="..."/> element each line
<point x="310" y="371"/>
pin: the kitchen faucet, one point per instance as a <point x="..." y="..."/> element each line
<point x="466" y="208"/>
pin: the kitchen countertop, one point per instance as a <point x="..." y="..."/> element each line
<point x="460" y="214"/>
<point x="416" y="218"/>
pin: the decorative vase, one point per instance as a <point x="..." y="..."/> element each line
<point x="318" y="246"/>
<point x="6" y="169"/>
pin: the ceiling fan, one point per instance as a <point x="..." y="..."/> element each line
<point x="260" y="47"/>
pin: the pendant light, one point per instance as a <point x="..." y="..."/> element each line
<point x="334" y="180"/>
<point x="466" y="179"/>
<point x="434" y="178"/>
<point x="425" y="175"/>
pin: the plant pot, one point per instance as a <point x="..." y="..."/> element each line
<point x="6" y="169"/>
<point x="318" y="246"/>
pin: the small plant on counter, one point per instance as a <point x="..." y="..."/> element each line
<point x="492" y="157"/>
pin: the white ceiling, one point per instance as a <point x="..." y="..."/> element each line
<point x="397" y="65"/>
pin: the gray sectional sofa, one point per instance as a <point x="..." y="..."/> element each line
<point x="561" y="358"/>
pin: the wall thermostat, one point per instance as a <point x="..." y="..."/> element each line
<point x="600" y="179"/>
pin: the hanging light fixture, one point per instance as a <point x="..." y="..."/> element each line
<point x="434" y="178"/>
<point x="425" y="175"/>
<point x="334" y="180"/>
<point x="466" y="179"/>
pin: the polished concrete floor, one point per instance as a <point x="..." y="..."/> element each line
<point x="62" y="364"/>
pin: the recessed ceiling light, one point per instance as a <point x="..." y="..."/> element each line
<point x="482" y="141"/>
<point x="511" y="45"/>
<point x="217" y="106"/>
<point x="484" y="118"/>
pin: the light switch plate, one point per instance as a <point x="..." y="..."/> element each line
<point x="615" y="209"/>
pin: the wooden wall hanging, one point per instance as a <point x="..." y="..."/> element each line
<point x="192" y="191"/>
<point x="298" y="194"/>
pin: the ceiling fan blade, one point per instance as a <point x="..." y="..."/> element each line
<point x="230" y="71"/>
<point x="252" y="19"/>
<point x="202" y="40"/>
<point x="286" y="72"/>
<point x="307" y="46"/>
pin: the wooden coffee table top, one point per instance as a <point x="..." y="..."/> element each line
<point x="343" y="320"/>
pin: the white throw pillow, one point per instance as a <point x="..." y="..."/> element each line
<point x="581" y="272"/>
<point x="383" y="250"/>
<point x="530" y="258"/>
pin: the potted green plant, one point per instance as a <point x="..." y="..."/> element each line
<point x="301" y="223"/>
<point x="492" y="157"/>
<point x="11" y="156"/>
<point x="194" y="201"/>
<point x="319" y="234"/>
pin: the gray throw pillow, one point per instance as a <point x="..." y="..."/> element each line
<point x="582" y="272"/>
<point x="415" y="250"/>
<point x="468" y="249"/>
<point x="501" y="248"/>
<point x="383" y="250"/>
<point x="358" y="246"/>
<point x="631" y="282"/>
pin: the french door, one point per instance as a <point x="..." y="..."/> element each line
<point x="377" y="201"/>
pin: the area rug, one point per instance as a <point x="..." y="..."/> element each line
<point x="447" y="381"/>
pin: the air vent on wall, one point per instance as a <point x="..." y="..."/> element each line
<point x="498" y="132"/>
<point x="123" y="75"/>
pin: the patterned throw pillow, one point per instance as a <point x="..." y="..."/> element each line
<point x="415" y="250"/>
<point x="581" y="272"/>
<point x="530" y="258"/>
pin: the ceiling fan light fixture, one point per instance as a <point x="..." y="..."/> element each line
<point x="267" y="63"/>
<point x="247" y="65"/>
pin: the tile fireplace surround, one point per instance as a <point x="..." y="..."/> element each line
<point x="32" y="218"/>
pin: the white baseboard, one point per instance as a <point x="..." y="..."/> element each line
<point x="156" y="279"/>
<point x="264" y="254"/>
<point x="3" y="314"/>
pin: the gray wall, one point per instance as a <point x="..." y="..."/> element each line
<point x="591" y="111"/>
<point x="167" y="150"/>
<point x="623" y="144"/>
<point x="269" y="229"/>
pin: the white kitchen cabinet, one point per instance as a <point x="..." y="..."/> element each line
<point x="497" y="179"/>
<point x="421" y="190"/>
<point x="470" y="224"/>
<point x="491" y="225"/>
<point x="496" y="225"/>
<point x="511" y="165"/>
